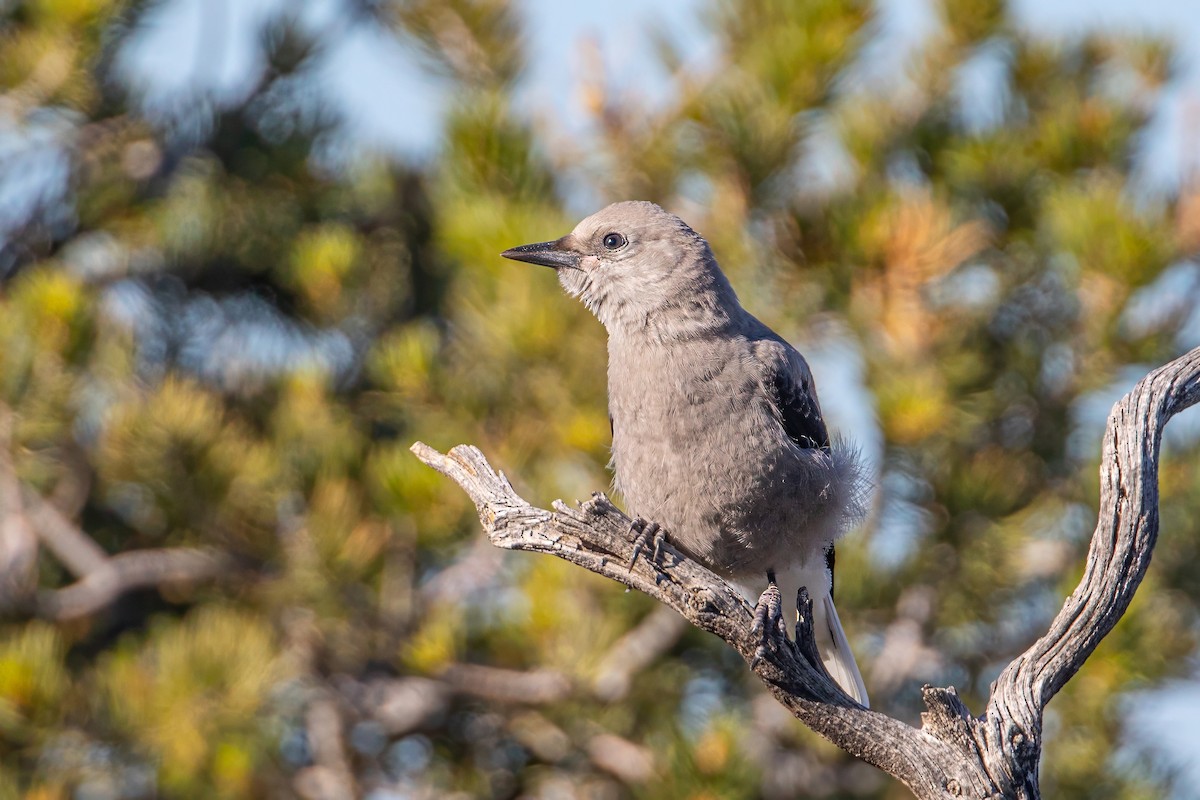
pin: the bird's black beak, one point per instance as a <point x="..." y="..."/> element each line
<point x="548" y="254"/>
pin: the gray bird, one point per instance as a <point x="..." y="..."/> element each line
<point x="717" y="435"/>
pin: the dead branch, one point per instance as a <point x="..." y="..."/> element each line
<point x="507" y="685"/>
<point x="636" y="650"/>
<point x="630" y="763"/>
<point x="18" y="544"/>
<point x="330" y="776"/>
<point x="27" y="519"/>
<point x="77" y="551"/>
<point x="952" y="754"/>
<point x="125" y="572"/>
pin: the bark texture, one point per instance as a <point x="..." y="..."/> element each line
<point x="952" y="754"/>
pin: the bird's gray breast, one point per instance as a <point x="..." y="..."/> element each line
<point x="698" y="447"/>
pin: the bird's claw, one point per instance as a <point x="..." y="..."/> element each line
<point x="768" y="622"/>
<point x="648" y="533"/>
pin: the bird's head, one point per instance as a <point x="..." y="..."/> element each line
<point x="631" y="261"/>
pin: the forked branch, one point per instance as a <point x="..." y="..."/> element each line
<point x="952" y="754"/>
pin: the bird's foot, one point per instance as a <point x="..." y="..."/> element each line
<point x="648" y="534"/>
<point x="768" y="620"/>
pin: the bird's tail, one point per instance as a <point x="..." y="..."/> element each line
<point x="832" y="644"/>
<point x="835" y="650"/>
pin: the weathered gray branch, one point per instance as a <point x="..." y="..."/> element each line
<point x="18" y="543"/>
<point x="952" y="754"/>
<point x="125" y="572"/>
<point x="74" y="549"/>
<point x="28" y="520"/>
<point x="636" y="650"/>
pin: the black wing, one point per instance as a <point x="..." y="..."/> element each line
<point x="800" y="413"/>
<point x="830" y="559"/>
<point x="796" y="400"/>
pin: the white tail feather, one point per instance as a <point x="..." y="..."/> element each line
<point x="834" y="650"/>
<point x="832" y="645"/>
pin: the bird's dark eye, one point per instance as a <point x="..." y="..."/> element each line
<point x="614" y="241"/>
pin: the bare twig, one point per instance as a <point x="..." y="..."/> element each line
<point x="475" y="568"/>
<point x="636" y="650"/>
<point x="630" y="763"/>
<point x="330" y="777"/>
<point x="404" y="704"/>
<point x="904" y="653"/>
<point x="952" y="754"/>
<point x="125" y="572"/>
<point x="18" y="544"/>
<point x="507" y="685"/>
<point x="26" y="518"/>
<point x="77" y="551"/>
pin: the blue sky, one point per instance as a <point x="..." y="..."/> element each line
<point x="394" y="104"/>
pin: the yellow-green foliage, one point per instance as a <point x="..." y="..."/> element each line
<point x="43" y="317"/>
<point x="311" y="432"/>
<point x="322" y="262"/>
<point x="191" y="694"/>
<point x="185" y="466"/>
<point x="33" y="680"/>
<point x="1093" y="221"/>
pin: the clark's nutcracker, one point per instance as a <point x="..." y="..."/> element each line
<point x="717" y="435"/>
